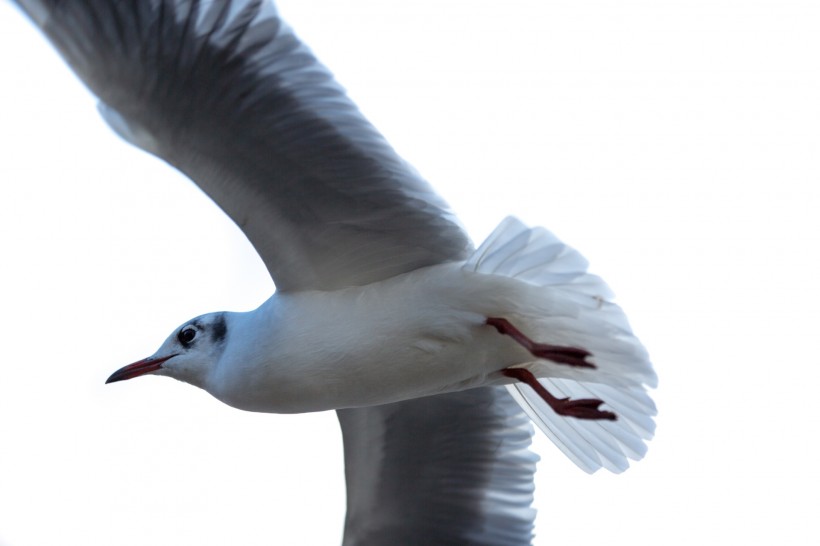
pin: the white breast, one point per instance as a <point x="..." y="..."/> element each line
<point x="413" y="335"/>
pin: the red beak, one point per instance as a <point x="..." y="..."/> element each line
<point x="136" y="369"/>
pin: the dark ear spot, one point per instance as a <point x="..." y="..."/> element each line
<point x="220" y="329"/>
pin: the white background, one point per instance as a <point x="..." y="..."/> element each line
<point x="674" y="143"/>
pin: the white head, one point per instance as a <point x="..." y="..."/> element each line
<point x="189" y="354"/>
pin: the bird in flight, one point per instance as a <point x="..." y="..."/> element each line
<point x="384" y="310"/>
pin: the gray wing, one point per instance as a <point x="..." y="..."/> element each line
<point x="227" y="94"/>
<point x="447" y="469"/>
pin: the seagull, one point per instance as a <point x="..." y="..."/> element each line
<point x="384" y="310"/>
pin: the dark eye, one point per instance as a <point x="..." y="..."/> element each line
<point x="186" y="335"/>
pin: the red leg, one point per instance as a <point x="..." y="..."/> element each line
<point x="570" y="356"/>
<point x="584" y="408"/>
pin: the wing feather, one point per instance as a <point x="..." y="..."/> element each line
<point x="448" y="469"/>
<point x="227" y="93"/>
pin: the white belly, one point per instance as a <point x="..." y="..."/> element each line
<point x="415" y="335"/>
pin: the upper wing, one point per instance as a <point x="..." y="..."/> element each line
<point x="225" y="92"/>
<point x="447" y="469"/>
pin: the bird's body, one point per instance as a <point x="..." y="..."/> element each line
<point x="422" y="333"/>
<point x="383" y="310"/>
<point x="414" y="335"/>
<point x="393" y="340"/>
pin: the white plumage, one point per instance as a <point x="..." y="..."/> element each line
<point x="381" y="303"/>
<point x="581" y="316"/>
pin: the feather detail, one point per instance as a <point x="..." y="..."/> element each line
<point x="573" y="308"/>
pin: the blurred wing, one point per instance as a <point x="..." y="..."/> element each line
<point x="448" y="469"/>
<point x="226" y="93"/>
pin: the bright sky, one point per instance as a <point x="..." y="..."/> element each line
<point x="674" y="143"/>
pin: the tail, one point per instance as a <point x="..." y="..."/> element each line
<point x="574" y="309"/>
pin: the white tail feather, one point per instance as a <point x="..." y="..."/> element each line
<point x="586" y="319"/>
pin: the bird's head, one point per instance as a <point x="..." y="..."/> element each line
<point x="189" y="354"/>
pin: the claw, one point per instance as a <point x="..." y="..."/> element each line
<point x="571" y="356"/>
<point x="583" y="408"/>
